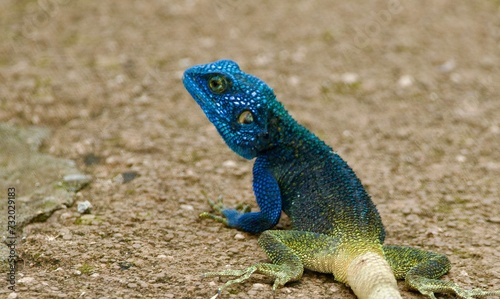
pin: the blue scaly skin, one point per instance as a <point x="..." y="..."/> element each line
<point x="336" y="227"/>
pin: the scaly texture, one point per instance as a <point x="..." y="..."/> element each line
<point x="336" y="227"/>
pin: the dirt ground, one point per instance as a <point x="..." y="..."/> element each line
<point x="408" y="92"/>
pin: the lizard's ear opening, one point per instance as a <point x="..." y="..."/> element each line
<point x="245" y="117"/>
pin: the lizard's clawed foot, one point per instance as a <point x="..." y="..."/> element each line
<point x="475" y="293"/>
<point x="466" y="294"/>
<point x="243" y="275"/>
<point x="430" y="286"/>
<point x="219" y="207"/>
<point x="281" y="273"/>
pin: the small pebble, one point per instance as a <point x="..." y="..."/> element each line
<point x="451" y="224"/>
<point x="91" y="159"/>
<point x="412" y="218"/>
<point x="187" y="207"/>
<point x="347" y="133"/>
<point x="495" y="129"/>
<point x="349" y="78"/>
<point x="464" y="273"/>
<point x="447" y="66"/>
<point x="258" y="286"/>
<point x="128" y="176"/>
<point x="229" y="164"/>
<point x="455" y="78"/>
<point x="75" y="182"/>
<point x="433" y="231"/>
<point x="448" y="198"/>
<point x="239" y="236"/>
<point x="64" y="231"/>
<point x="83" y="207"/>
<point x="26" y="280"/>
<point x="253" y="293"/>
<point x="294" y="80"/>
<point x="494" y="219"/>
<point x="405" y="81"/>
<point x="77" y="177"/>
<point x="12" y="295"/>
<point x="287" y="290"/>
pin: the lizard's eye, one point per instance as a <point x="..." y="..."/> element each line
<point x="217" y="84"/>
<point x="245" y="118"/>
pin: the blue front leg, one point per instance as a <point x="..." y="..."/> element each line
<point x="268" y="196"/>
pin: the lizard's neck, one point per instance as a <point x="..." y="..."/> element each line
<point x="289" y="139"/>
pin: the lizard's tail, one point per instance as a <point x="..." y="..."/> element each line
<point x="370" y="277"/>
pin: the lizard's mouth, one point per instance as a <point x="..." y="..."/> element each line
<point x="193" y="88"/>
<point x="198" y="98"/>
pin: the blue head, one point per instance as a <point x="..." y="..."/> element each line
<point x="235" y="102"/>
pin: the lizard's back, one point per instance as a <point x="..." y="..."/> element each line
<point x="320" y="192"/>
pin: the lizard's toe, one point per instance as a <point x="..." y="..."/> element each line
<point x="206" y="215"/>
<point x="218" y="205"/>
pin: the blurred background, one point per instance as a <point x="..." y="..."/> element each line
<point x="406" y="91"/>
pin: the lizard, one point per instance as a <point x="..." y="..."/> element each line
<point x="336" y="227"/>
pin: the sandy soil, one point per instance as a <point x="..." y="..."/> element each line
<point x="406" y="91"/>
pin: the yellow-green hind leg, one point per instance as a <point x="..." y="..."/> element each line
<point x="288" y="251"/>
<point x="421" y="270"/>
